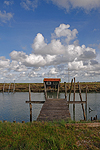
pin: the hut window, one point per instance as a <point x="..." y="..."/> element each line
<point x="48" y="83"/>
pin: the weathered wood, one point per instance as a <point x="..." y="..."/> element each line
<point x="65" y="90"/>
<point x="9" y="87"/>
<point x="76" y="102"/>
<point x="14" y="87"/>
<point x="54" y="109"/>
<point x="38" y="102"/>
<point x="74" y="91"/>
<point x="86" y="102"/>
<point x="81" y="100"/>
<point x="58" y="90"/>
<point x="45" y="90"/>
<point x="4" y="87"/>
<point x="86" y="92"/>
<point x="30" y="104"/>
<point x="70" y="89"/>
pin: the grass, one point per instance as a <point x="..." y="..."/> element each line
<point x="48" y="136"/>
<point x="39" y="87"/>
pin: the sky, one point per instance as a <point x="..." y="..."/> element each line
<point x="49" y="39"/>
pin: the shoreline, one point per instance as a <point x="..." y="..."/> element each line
<point x="93" y="87"/>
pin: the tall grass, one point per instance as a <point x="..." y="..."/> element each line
<point x="47" y="136"/>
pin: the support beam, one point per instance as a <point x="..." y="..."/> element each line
<point x="58" y="90"/>
<point x="45" y="91"/>
<point x="4" y="87"/>
<point x="65" y="90"/>
<point x="37" y="102"/>
<point x="76" y="102"/>
<point x="81" y="101"/>
<point x="30" y="104"/>
<point x="70" y="89"/>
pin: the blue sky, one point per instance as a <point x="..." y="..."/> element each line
<point x="41" y="39"/>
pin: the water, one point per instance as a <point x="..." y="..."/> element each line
<point x="14" y="108"/>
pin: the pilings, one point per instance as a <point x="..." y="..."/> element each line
<point x="38" y="102"/>
<point x="30" y="104"/>
<point x="65" y="90"/>
<point x="9" y="87"/>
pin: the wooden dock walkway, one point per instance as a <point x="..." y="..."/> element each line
<point x="54" y="109"/>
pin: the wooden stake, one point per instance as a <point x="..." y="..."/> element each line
<point x="4" y="87"/>
<point x="81" y="100"/>
<point x="58" y="90"/>
<point x="45" y="91"/>
<point x="74" y="91"/>
<point x="65" y="91"/>
<point x="86" y="101"/>
<point x="70" y="89"/>
<point x="30" y="104"/>
<point x="74" y="100"/>
<point x="14" y="87"/>
<point x="9" y="87"/>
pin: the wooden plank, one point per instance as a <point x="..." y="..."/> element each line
<point x="54" y="109"/>
<point x="37" y="102"/>
<point x="76" y="102"/>
<point x="59" y="99"/>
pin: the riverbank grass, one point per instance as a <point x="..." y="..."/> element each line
<point x="47" y="136"/>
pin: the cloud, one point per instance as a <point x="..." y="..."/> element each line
<point x="62" y="53"/>
<point x="63" y="31"/>
<point x="29" y="4"/>
<point x="38" y="43"/>
<point x="4" y="17"/>
<point x="8" y="2"/>
<point x="53" y="71"/>
<point x="76" y="65"/>
<point x="72" y="4"/>
<point x="32" y="60"/>
<point x="4" y="63"/>
<point x="17" y="66"/>
<point x="52" y="59"/>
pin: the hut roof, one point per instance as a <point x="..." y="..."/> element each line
<point x="52" y="79"/>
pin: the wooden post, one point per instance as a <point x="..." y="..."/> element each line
<point x="4" y="87"/>
<point x="30" y="104"/>
<point x="86" y="102"/>
<point x="74" y="100"/>
<point x="70" y="89"/>
<point x="9" y="87"/>
<point x="74" y="91"/>
<point x="65" y="91"/>
<point x="58" y="90"/>
<point x="45" y="91"/>
<point x="14" y="87"/>
<point x="81" y="100"/>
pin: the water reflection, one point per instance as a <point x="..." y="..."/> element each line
<point x="13" y="106"/>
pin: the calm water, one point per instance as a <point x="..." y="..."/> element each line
<point x="13" y="106"/>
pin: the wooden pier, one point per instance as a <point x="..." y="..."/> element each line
<point x="54" y="109"/>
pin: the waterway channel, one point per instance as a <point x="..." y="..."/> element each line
<point x="14" y="108"/>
